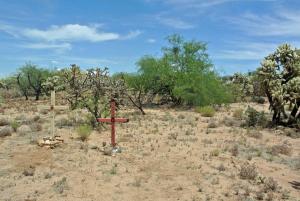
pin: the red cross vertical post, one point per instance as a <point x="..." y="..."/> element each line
<point x="112" y="120"/>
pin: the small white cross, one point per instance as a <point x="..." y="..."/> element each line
<point x="52" y="108"/>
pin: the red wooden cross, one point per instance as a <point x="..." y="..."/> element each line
<point x="112" y="121"/>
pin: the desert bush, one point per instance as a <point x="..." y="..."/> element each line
<point x="238" y="114"/>
<point x="15" y="125"/>
<point x="84" y="131"/>
<point x="248" y="171"/>
<point x="281" y="149"/>
<point x="61" y="185"/>
<point x="63" y="122"/>
<point x="234" y="150"/>
<point x="35" y="127"/>
<point x="23" y="130"/>
<point x="5" y="131"/>
<point x="212" y="124"/>
<point x="4" y="121"/>
<point x="254" y="118"/>
<point x="215" y="152"/>
<point x="270" y="185"/>
<point x="258" y="99"/>
<point x="254" y="133"/>
<point x="206" y="111"/>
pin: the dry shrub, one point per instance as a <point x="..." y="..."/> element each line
<point x="235" y="150"/>
<point x="4" y="121"/>
<point x="63" y="122"/>
<point x="270" y="185"/>
<point x="281" y="149"/>
<point x="238" y="113"/>
<point x="230" y="122"/>
<point x="254" y="134"/>
<point x="212" y="124"/>
<point x="23" y="130"/>
<point x="5" y="131"/>
<point x="248" y="171"/>
<point x="35" y="127"/>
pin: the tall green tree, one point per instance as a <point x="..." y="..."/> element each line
<point x="30" y="77"/>
<point x="184" y="74"/>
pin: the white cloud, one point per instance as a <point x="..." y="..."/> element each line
<point x="151" y="40"/>
<point x="175" y="22"/>
<point x="67" y="33"/>
<point x="282" y="23"/>
<point x="62" y="46"/>
<point x="70" y="32"/>
<point x="132" y="34"/>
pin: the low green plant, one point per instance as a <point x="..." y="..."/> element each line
<point x="15" y="125"/>
<point x="206" y="111"/>
<point x="84" y="131"/>
<point x="254" y="118"/>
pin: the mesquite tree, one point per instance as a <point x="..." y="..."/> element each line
<point x="280" y="74"/>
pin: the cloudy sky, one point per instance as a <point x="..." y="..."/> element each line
<point x="116" y="33"/>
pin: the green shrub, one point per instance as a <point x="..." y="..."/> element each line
<point x="84" y="131"/>
<point x="254" y="118"/>
<point x="15" y="125"/>
<point x="206" y="111"/>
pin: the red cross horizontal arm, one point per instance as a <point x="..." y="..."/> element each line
<point x="112" y="121"/>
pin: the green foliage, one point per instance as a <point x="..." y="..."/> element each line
<point x="92" y="89"/>
<point x="183" y="75"/>
<point x="84" y="131"/>
<point x="280" y="75"/>
<point x="254" y="118"/>
<point x="15" y="125"/>
<point x="30" y="79"/>
<point x="206" y="111"/>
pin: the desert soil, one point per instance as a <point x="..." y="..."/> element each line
<point x="167" y="154"/>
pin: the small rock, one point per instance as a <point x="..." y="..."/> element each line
<point x="107" y="151"/>
<point x="92" y="146"/>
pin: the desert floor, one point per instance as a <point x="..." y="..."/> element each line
<point x="168" y="154"/>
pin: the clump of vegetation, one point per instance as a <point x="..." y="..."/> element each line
<point x="5" y="131"/>
<point x="235" y="150"/>
<point x="238" y="113"/>
<point x="215" y="152"/>
<point x="15" y="125"/>
<point x="4" y="121"/>
<point x="254" y="118"/>
<point x="248" y="171"/>
<point x="254" y="133"/>
<point x="206" y="111"/>
<point x="61" y="185"/>
<point x="84" y="131"/>
<point x="281" y="149"/>
<point x="280" y="77"/>
<point x="270" y="185"/>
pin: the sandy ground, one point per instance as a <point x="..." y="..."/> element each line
<point x="167" y="154"/>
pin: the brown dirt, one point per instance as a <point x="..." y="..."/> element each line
<point x="167" y="154"/>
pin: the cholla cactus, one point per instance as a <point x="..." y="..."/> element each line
<point x="92" y="89"/>
<point x="243" y="82"/>
<point x="280" y="73"/>
<point x="53" y="83"/>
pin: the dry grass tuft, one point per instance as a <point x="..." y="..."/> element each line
<point x="248" y="171"/>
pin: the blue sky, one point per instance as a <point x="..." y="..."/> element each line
<point x="116" y="33"/>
